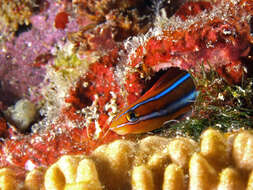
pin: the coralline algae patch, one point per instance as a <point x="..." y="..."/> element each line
<point x="218" y="36"/>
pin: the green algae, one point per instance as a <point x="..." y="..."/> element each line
<point x="67" y="65"/>
<point x="219" y="105"/>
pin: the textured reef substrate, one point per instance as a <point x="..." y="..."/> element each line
<point x="79" y="63"/>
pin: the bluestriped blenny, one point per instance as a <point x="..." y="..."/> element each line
<point x="170" y="97"/>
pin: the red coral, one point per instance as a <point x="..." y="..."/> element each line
<point x="61" y="20"/>
<point x="102" y="40"/>
<point x="134" y="86"/>
<point x="42" y="59"/>
<point x="216" y="43"/>
<point x="3" y="127"/>
<point x="192" y="9"/>
<point x="101" y="81"/>
<point x="232" y="73"/>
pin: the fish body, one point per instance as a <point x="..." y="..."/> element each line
<point x="169" y="98"/>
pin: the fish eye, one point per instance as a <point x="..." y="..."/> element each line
<point x="132" y="116"/>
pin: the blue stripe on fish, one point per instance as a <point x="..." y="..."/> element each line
<point x="161" y="94"/>
<point x="171" y="108"/>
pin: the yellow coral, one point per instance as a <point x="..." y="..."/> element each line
<point x="8" y="180"/>
<point x="218" y="162"/>
<point x="14" y="13"/>
<point x="72" y="172"/>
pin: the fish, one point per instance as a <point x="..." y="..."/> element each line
<point x="171" y="97"/>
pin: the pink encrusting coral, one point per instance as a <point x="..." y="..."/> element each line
<point x="216" y="36"/>
<point x="20" y="67"/>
